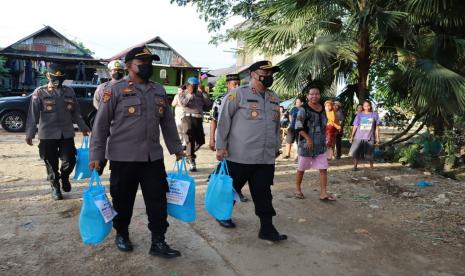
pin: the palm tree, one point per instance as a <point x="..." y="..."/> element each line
<point x="430" y="70"/>
<point x="332" y="37"/>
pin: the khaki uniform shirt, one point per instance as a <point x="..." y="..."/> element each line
<point x="128" y="121"/>
<point x="99" y="92"/>
<point x="248" y="126"/>
<point x="194" y="103"/>
<point x="54" y="110"/>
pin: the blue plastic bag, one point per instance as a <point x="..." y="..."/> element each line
<point x="184" y="211"/>
<point x="92" y="226"/>
<point x="82" y="170"/>
<point x="219" y="198"/>
<point x="423" y="184"/>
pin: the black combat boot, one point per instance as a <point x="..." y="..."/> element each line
<point x="268" y="231"/>
<point x="56" y="192"/>
<point x="161" y="248"/>
<point x="123" y="243"/>
<point x="227" y="223"/>
<point x="65" y="184"/>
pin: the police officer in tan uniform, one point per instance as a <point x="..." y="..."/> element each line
<point x="116" y="68"/>
<point x="194" y="102"/>
<point x="127" y="133"/>
<point x="232" y="81"/>
<point x="54" y="108"/>
<point x="248" y="137"/>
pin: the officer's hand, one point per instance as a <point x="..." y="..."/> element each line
<point x="94" y="165"/>
<point x="85" y="132"/>
<point x="29" y="141"/>
<point x="212" y="144"/>
<point x="180" y="155"/>
<point x="221" y="154"/>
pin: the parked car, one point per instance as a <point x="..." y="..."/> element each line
<point x="13" y="110"/>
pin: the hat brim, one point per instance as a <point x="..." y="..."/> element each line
<point x="145" y="56"/>
<point x="274" y="69"/>
<point x="56" y="75"/>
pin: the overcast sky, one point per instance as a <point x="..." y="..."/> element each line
<point x="107" y="27"/>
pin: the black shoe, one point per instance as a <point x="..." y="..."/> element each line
<point x="193" y="167"/>
<point x="270" y="233"/>
<point x="226" y="223"/>
<point x="162" y="249"/>
<point x="123" y="243"/>
<point x="66" y="185"/>
<point x="56" y="192"/>
<point x="243" y="198"/>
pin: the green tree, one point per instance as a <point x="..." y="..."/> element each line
<point x="4" y="72"/>
<point x="83" y="47"/>
<point x="330" y="36"/>
<point x="413" y="50"/>
<point x="220" y="87"/>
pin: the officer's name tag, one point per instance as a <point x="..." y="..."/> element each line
<point x="105" y="208"/>
<point x="178" y="190"/>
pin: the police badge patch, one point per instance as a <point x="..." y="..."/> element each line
<point x="106" y="96"/>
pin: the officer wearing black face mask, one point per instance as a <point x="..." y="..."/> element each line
<point x="248" y="136"/>
<point x="127" y="133"/>
<point x="116" y="68"/>
<point x="54" y="108"/>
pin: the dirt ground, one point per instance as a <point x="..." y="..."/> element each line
<point x="382" y="224"/>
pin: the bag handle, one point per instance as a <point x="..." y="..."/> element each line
<point x="85" y="142"/>
<point x="224" y="168"/>
<point x="181" y="167"/>
<point x="95" y="178"/>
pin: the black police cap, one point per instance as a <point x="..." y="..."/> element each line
<point x="56" y="70"/>
<point x="140" y="53"/>
<point x="264" y="65"/>
<point x="232" y="77"/>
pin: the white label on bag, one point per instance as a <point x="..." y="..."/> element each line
<point x="178" y="191"/>
<point x="105" y="208"/>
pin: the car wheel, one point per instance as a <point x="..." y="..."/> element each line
<point x="91" y="119"/>
<point x="14" y="121"/>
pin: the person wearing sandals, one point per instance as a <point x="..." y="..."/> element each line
<point x="310" y="125"/>
<point x="291" y="134"/>
<point x="365" y="132"/>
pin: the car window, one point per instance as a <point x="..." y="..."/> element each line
<point x="84" y="92"/>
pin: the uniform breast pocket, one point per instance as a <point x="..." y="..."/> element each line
<point x="70" y="104"/>
<point x="132" y="107"/>
<point x="160" y="105"/>
<point x="253" y="111"/>
<point x="49" y="106"/>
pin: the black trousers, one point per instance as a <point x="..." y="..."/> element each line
<point x="260" y="178"/>
<point x="338" y="145"/>
<point x="125" y="178"/>
<point x="192" y="130"/>
<point x="50" y="150"/>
